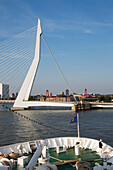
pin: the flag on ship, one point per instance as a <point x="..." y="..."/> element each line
<point x="74" y="120"/>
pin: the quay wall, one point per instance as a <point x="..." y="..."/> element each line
<point x="82" y="106"/>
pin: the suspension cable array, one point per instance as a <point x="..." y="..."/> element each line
<point x="16" y="55"/>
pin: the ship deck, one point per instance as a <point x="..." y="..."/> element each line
<point x="69" y="156"/>
<point x="61" y="151"/>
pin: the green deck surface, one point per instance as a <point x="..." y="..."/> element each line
<point x="85" y="155"/>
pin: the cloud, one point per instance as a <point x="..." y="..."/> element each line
<point x="88" y="31"/>
<point x="55" y="35"/>
<point x="81" y="26"/>
<point x="15" y="17"/>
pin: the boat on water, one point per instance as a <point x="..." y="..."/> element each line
<point x="53" y="153"/>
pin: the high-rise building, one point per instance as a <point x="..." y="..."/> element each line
<point x="50" y="94"/>
<point x="4" y="91"/>
<point x="62" y="93"/>
<point x="67" y="92"/>
<point x="85" y="92"/>
<point x="47" y="93"/>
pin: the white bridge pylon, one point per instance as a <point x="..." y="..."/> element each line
<point x="21" y="101"/>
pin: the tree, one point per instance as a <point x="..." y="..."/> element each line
<point x="108" y="98"/>
<point x="32" y="98"/>
<point x="61" y="95"/>
<point x="101" y="98"/>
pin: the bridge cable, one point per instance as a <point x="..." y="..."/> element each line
<point x="16" y="54"/>
<point x="5" y="42"/>
<point x="58" y="67"/>
<point x="26" y="62"/>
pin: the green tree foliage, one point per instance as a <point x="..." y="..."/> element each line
<point x="61" y="95"/>
<point x="101" y="98"/>
<point x="31" y="98"/>
<point x="104" y="98"/>
<point x="107" y="97"/>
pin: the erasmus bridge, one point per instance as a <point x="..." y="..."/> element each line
<point x="12" y="52"/>
<point x="19" y="61"/>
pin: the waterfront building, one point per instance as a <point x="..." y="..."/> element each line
<point x="59" y="99"/>
<point x="42" y="98"/>
<point x="12" y="96"/>
<point x="37" y="97"/>
<point x="70" y="99"/>
<point x="51" y="98"/>
<point x="4" y="91"/>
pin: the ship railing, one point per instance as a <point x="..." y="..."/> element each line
<point x="35" y="157"/>
<point x="14" y="148"/>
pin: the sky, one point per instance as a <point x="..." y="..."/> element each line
<point x="79" y="34"/>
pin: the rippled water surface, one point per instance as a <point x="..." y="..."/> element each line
<point x="93" y="124"/>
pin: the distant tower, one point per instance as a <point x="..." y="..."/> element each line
<point x="85" y="92"/>
<point x="67" y="92"/>
<point x="47" y="93"/>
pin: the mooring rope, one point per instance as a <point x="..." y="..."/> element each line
<point x="42" y="124"/>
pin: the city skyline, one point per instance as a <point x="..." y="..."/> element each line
<point x="79" y="34"/>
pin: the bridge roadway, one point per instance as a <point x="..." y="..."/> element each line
<point x="32" y="104"/>
<point x="104" y="105"/>
<point x="37" y="104"/>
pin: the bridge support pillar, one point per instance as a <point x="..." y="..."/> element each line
<point x="74" y="108"/>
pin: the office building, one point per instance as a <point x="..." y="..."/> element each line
<point x="47" y="93"/>
<point x="85" y="92"/>
<point x="67" y="92"/>
<point x="4" y="91"/>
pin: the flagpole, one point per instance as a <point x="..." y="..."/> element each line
<point x="78" y="125"/>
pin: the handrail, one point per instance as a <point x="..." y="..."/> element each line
<point x="36" y="155"/>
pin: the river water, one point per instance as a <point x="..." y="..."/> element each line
<point x="96" y="124"/>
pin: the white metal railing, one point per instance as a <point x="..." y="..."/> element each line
<point x="35" y="157"/>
